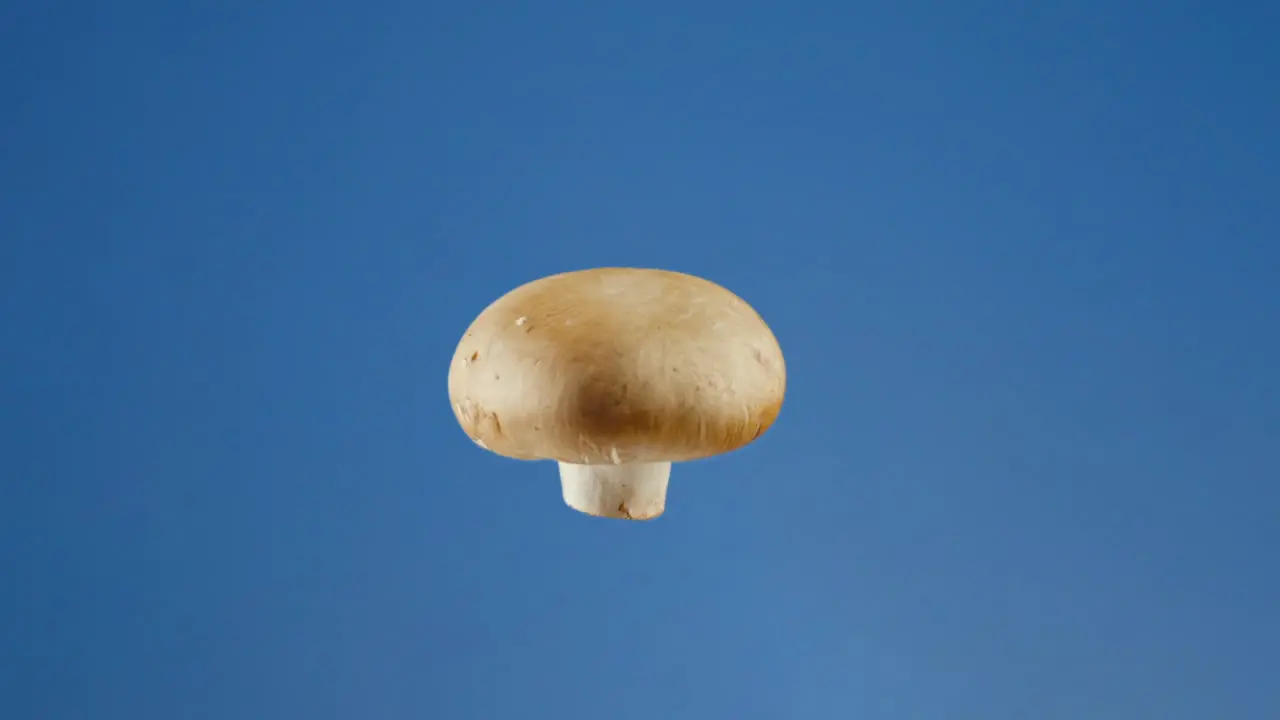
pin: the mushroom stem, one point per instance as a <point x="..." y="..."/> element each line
<point x="631" y="491"/>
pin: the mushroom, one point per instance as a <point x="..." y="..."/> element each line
<point x="615" y="373"/>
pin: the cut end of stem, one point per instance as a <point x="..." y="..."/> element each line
<point x="633" y="491"/>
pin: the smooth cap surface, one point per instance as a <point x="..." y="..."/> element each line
<point x="617" y="365"/>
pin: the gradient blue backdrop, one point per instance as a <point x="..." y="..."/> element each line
<point x="1022" y="257"/>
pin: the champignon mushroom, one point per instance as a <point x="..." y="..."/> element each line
<point x="616" y="373"/>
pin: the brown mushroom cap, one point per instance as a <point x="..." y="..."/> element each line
<point x="617" y="365"/>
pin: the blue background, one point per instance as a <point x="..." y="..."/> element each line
<point x="1022" y="258"/>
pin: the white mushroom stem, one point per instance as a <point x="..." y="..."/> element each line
<point x="631" y="491"/>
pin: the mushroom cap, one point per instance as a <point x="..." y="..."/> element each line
<point x="617" y="365"/>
